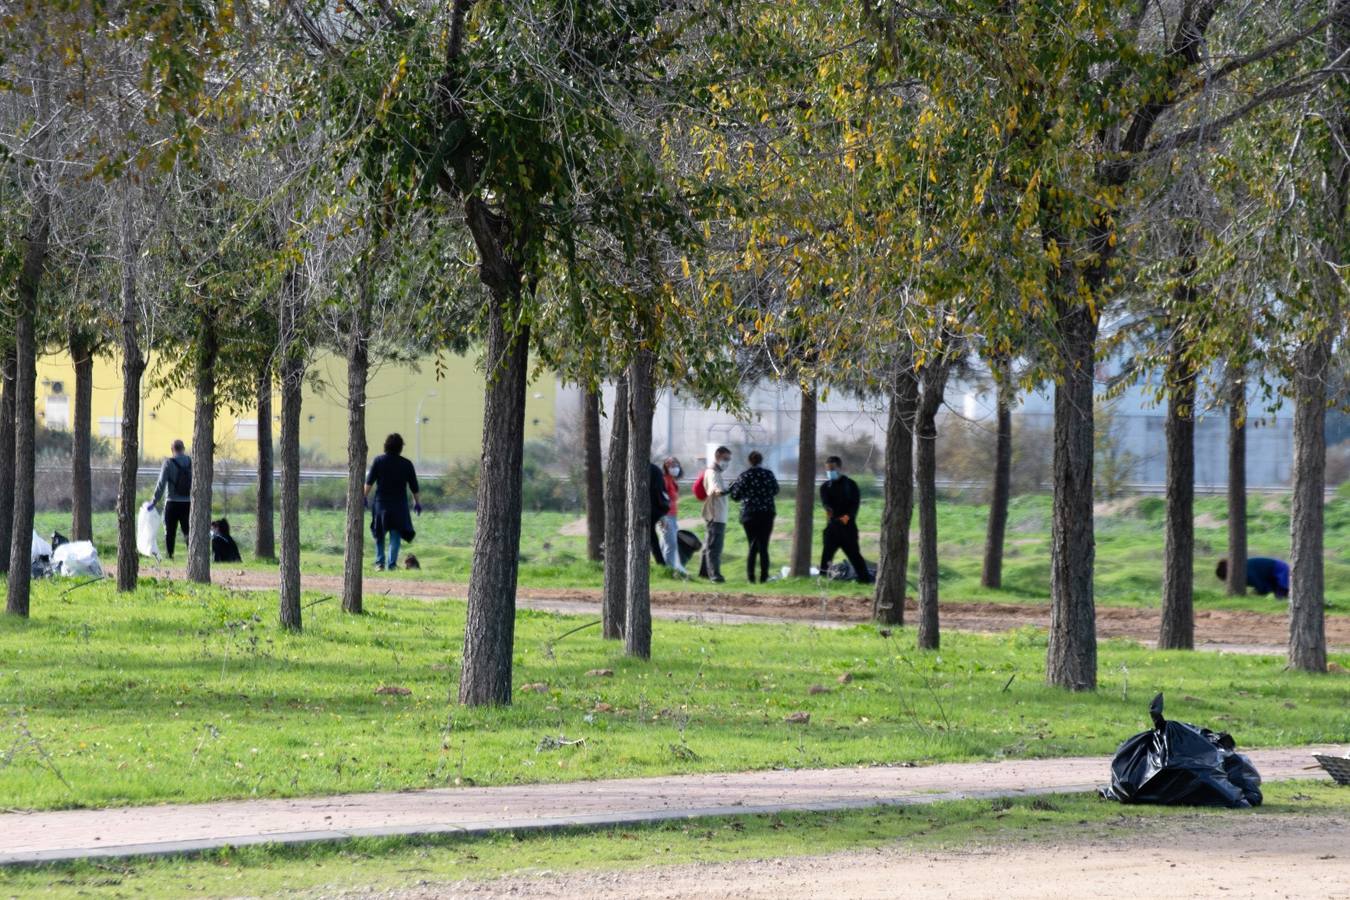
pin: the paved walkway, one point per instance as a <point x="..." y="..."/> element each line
<point x="152" y="830"/>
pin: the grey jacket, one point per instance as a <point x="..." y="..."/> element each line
<point x="168" y="480"/>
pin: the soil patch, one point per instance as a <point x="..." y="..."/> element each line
<point x="1221" y="627"/>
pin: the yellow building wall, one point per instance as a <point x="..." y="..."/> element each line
<point x="451" y="410"/>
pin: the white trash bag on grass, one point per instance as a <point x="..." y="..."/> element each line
<point x="77" y="558"/>
<point x="40" y="548"/>
<point x="148" y="525"/>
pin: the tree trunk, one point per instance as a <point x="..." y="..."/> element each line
<point x="615" y="600"/>
<point x="1237" y="482"/>
<point x="265" y="537"/>
<point x="888" y="605"/>
<point x="358" y="367"/>
<point x="264" y="540"/>
<point x="803" y="527"/>
<point x="1178" y="607"/>
<point x="133" y="367"/>
<point x="595" y="476"/>
<point x="10" y="365"/>
<point x="81" y="474"/>
<point x="638" y="609"/>
<point x="25" y="386"/>
<point x="1314" y="369"/>
<point x="1307" y="626"/>
<point x="1000" y="493"/>
<point x="1071" y="657"/>
<point x="489" y="632"/>
<point x="203" y="454"/>
<point x="292" y="374"/>
<point x="292" y="391"/>
<point x="934" y="380"/>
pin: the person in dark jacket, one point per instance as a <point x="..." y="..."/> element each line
<point x="1264" y="575"/>
<point x="840" y="498"/>
<point x="755" y="489"/>
<point x="660" y="503"/>
<point x="175" y="479"/>
<point x="223" y="547"/>
<point x="393" y="477"/>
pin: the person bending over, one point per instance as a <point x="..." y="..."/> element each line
<point x="1264" y="575"/>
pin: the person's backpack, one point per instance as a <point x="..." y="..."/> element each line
<point x="182" y="478"/>
<point x="700" y="487"/>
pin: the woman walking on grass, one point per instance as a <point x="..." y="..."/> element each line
<point x="393" y="477"/>
<point x="755" y="489"/>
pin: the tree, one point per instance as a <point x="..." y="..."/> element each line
<point x="1000" y="490"/>
<point x="292" y="351"/>
<point x="888" y="604"/>
<point x="803" y="520"/>
<point x="1237" y="480"/>
<point x="82" y="345"/>
<point x="9" y="363"/>
<point x="638" y="608"/>
<point x="264" y="541"/>
<point x="595" y="478"/>
<point x="614" y="602"/>
<point x="36" y="144"/>
<point x="515" y="88"/>
<point x="933" y="381"/>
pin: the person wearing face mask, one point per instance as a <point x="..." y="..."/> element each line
<point x="840" y="498"/>
<point x="668" y="526"/>
<point x="715" y="515"/>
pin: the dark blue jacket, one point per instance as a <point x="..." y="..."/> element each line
<point x="1268" y="576"/>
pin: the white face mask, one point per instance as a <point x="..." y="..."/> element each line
<point x="675" y="471"/>
<point x="721" y="464"/>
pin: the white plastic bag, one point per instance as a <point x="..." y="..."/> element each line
<point x="77" y="558"/>
<point x="40" y="547"/>
<point x="148" y="525"/>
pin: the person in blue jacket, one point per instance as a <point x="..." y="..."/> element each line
<point x="1264" y="575"/>
<point x="392" y="476"/>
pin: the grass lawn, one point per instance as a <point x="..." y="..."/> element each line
<point x="185" y="693"/>
<point x="390" y="864"/>
<point x="1129" y="550"/>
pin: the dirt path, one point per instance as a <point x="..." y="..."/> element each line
<point x="1215" y="629"/>
<point x="1236" y="856"/>
<point x="148" y="830"/>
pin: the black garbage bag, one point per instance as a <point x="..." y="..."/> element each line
<point x="689" y="544"/>
<point x="1177" y="764"/>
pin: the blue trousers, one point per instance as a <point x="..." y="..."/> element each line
<point x="395" y="541"/>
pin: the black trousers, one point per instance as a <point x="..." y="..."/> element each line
<point x="839" y="536"/>
<point x="175" y="514"/>
<point x="758" y="530"/>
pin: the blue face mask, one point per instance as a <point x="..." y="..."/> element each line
<point x="832" y="474"/>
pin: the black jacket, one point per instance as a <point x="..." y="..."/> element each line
<point x="841" y="497"/>
<point x="755" y="489"/>
<point x="657" y="493"/>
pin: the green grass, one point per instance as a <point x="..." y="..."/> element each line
<point x="390" y="864"/>
<point x="1128" y="571"/>
<point x="188" y="693"/>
